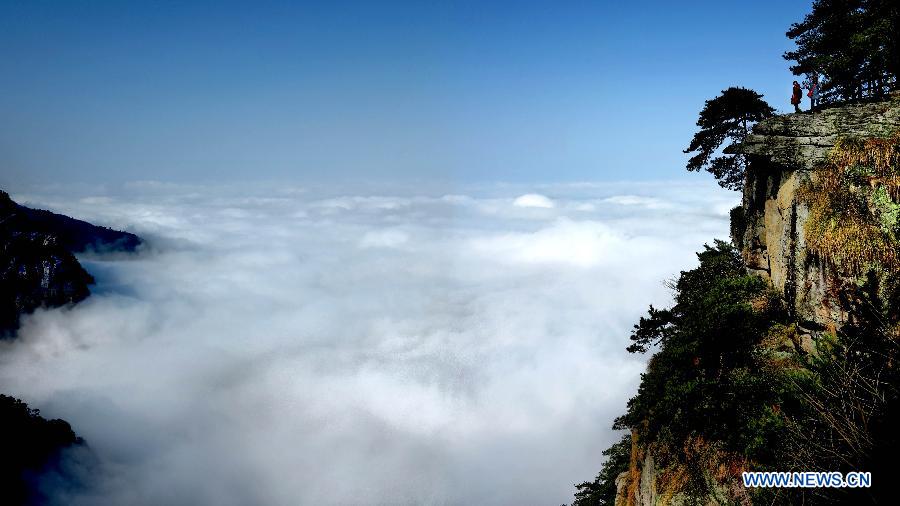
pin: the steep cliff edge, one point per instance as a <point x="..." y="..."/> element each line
<point x="769" y="228"/>
<point x="38" y="267"/>
<point x="819" y="223"/>
<point x="804" y="141"/>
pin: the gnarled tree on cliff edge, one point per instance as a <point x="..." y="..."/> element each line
<point x="728" y="117"/>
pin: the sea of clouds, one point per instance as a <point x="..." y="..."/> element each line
<point x="302" y="345"/>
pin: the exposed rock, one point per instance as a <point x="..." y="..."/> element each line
<point x="37" y="264"/>
<point x="640" y="486"/>
<point x="785" y="150"/>
<point x="622" y="481"/>
<point x="646" y="492"/>
<point x="768" y="228"/>
<point x="36" y="271"/>
<point x="803" y="141"/>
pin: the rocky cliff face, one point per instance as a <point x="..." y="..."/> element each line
<point x="37" y="264"/>
<point x="769" y="227"/>
<point x="645" y="484"/>
<point x="38" y="269"/>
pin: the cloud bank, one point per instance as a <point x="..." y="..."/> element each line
<point x="303" y="346"/>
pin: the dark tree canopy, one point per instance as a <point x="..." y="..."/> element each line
<point x="706" y="378"/>
<point x="30" y="446"/>
<point x="853" y="45"/>
<point x="726" y="117"/>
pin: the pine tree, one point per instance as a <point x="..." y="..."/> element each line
<point x="730" y="116"/>
<point x="851" y="44"/>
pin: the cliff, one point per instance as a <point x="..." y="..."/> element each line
<point x="819" y="221"/>
<point x="38" y="267"/>
<point x="769" y="228"/>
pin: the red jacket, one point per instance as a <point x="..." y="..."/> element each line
<point x="798" y="95"/>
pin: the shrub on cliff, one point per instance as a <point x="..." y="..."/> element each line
<point x="851" y="398"/>
<point x="730" y="389"/>
<point x="712" y="392"/>
<point x="709" y="377"/>
<point x="728" y="117"/>
<point x="602" y="491"/>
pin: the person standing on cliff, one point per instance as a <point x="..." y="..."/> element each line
<point x="797" y="96"/>
<point x="813" y="92"/>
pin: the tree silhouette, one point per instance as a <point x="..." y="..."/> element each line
<point x="730" y="116"/>
<point x="30" y="445"/>
<point x="853" y="45"/>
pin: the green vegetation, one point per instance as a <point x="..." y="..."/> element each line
<point x="712" y="393"/>
<point x="736" y="383"/>
<point x="850" y="397"/>
<point x="711" y="378"/>
<point x="727" y="117"/>
<point x="854" y="45"/>
<point x="731" y="388"/>
<point x="738" y="225"/>
<point x="602" y="491"/>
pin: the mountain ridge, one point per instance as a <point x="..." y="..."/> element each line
<point x="37" y="259"/>
<point x="38" y="268"/>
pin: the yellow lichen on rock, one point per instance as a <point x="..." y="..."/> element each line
<point x="849" y="227"/>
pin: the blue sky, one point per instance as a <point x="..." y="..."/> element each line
<point x="107" y="92"/>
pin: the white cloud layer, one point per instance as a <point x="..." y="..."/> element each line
<point x="299" y="346"/>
